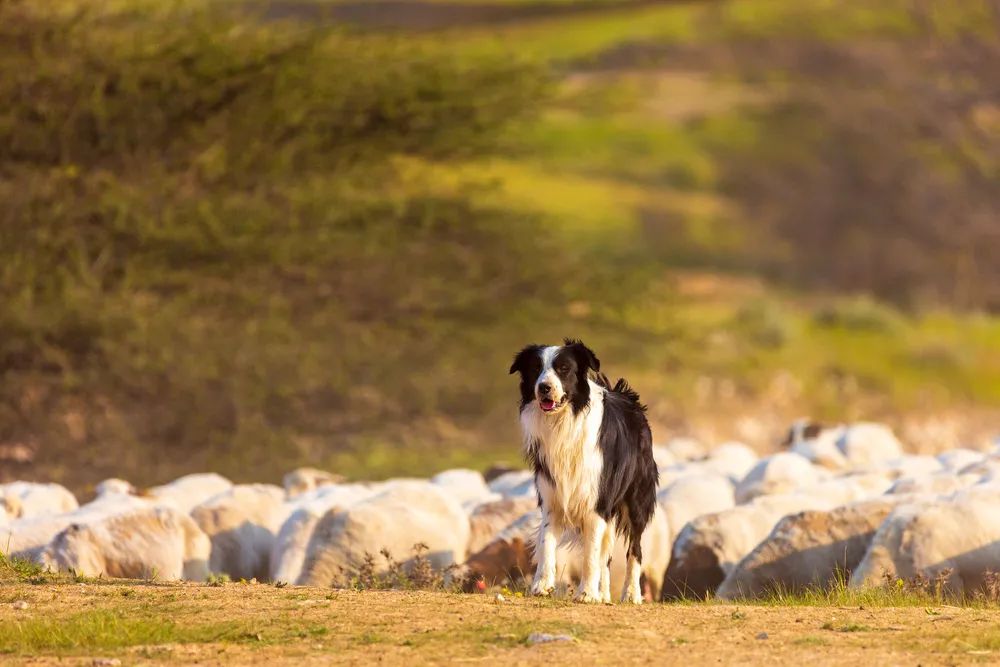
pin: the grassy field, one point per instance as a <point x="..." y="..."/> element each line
<point x="76" y="623"/>
<point x="225" y="253"/>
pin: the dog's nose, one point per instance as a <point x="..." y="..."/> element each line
<point x="544" y="388"/>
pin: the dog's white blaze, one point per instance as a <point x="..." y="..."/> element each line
<point x="548" y="374"/>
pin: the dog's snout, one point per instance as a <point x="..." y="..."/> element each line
<point x="544" y="388"/>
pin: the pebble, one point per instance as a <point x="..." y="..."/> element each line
<point x="500" y="598"/>
<point x="762" y="635"/>
<point x="20" y="604"/>
<point x="545" y="638"/>
<point x="105" y="662"/>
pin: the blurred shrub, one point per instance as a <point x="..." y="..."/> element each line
<point x="218" y="249"/>
<point x="877" y="164"/>
<point x="858" y="314"/>
<point x="764" y="323"/>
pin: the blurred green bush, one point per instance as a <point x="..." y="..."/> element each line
<point x="217" y="248"/>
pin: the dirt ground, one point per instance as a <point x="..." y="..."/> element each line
<point x="79" y="624"/>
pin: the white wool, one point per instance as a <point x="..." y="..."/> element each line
<point x="38" y="500"/>
<point x="956" y="537"/>
<point x="514" y="483"/>
<point x="25" y="538"/>
<point x="114" y="486"/>
<point x="663" y="456"/>
<point x="728" y="536"/>
<point x="779" y="473"/>
<point x="188" y="491"/>
<point x="686" y="449"/>
<point x="938" y="483"/>
<point x="464" y="485"/>
<point x="137" y="543"/>
<point x="301" y="480"/>
<point x="288" y="553"/>
<point x="956" y="459"/>
<point x="910" y="465"/>
<point x="692" y="496"/>
<point x="867" y="444"/>
<point x="396" y="519"/>
<point x="732" y="459"/>
<point x="241" y="523"/>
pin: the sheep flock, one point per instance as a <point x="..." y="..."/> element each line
<point x="845" y="504"/>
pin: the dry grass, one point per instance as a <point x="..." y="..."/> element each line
<point x="240" y="623"/>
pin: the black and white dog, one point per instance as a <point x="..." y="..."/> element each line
<point x="591" y="449"/>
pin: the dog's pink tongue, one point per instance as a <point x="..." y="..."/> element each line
<point x="547" y="404"/>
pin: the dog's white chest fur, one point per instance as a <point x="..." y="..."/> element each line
<point x="567" y="446"/>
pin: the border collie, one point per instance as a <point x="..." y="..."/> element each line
<point x="591" y="449"/>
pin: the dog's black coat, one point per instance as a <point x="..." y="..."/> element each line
<point x="629" y="475"/>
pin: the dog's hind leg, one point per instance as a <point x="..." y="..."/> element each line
<point x="633" y="568"/>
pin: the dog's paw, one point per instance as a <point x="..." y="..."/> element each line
<point x="632" y="599"/>
<point x="588" y="598"/>
<point x="541" y="589"/>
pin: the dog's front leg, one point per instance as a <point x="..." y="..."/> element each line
<point x="545" y="552"/>
<point x="593" y="542"/>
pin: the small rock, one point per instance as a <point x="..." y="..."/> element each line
<point x="105" y="662"/>
<point x="20" y="604"/>
<point x="500" y="598"/>
<point x="545" y="638"/>
<point x="762" y="635"/>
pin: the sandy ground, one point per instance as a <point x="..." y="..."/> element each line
<point x="258" y="624"/>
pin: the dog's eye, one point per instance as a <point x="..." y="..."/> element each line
<point x="562" y="368"/>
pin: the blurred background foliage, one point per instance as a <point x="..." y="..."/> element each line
<point x="246" y="237"/>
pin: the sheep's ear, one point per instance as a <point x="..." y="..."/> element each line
<point x="522" y="357"/>
<point x="585" y="357"/>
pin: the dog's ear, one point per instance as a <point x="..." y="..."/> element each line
<point x="522" y="357"/>
<point x="585" y="357"/>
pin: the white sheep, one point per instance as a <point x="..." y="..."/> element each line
<point x="686" y="449"/>
<point x="467" y="486"/>
<point x="858" y="445"/>
<point x="690" y="496"/>
<point x="938" y="483"/>
<point x="38" y="500"/>
<point x="288" y="554"/>
<point x="732" y="459"/>
<point x="810" y="549"/>
<point x="402" y="516"/>
<point x="910" y="465"/>
<point x="489" y="519"/>
<point x="709" y="547"/>
<point x="783" y="472"/>
<point x="301" y="480"/>
<point x="956" y="459"/>
<point x="663" y="457"/>
<point x="510" y="556"/>
<point x="517" y="483"/>
<point x="188" y="491"/>
<point x="956" y="538"/>
<point x="241" y="523"/>
<point x="114" y="486"/>
<point x="849" y="488"/>
<point x="139" y="543"/>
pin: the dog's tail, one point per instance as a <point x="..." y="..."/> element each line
<point x="622" y="387"/>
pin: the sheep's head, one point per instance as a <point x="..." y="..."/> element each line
<point x="498" y="561"/>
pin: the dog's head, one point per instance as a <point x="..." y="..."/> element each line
<point x="555" y="375"/>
